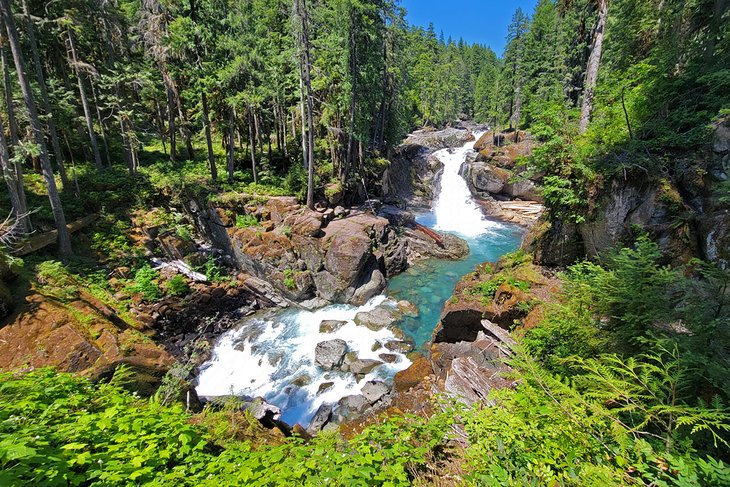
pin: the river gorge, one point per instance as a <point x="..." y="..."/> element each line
<point x="272" y="354"/>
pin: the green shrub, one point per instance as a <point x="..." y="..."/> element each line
<point x="55" y="280"/>
<point x="246" y="221"/>
<point x="177" y="286"/>
<point x="289" y="281"/>
<point x="145" y="283"/>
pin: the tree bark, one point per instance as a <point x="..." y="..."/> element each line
<point x="353" y="100"/>
<point x="85" y="105"/>
<point x="594" y="61"/>
<point x="305" y="157"/>
<point x="64" y="240"/>
<point x="51" y="124"/>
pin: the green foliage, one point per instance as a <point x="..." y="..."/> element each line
<point x="177" y="286"/>
<point x="213" y="272"/>
<point x="246" y="221"/>
<point x="145" y="283"/>
<point x="289" y="281"/>
<point x="54" y="280"/>
<point x="487" y="289"/>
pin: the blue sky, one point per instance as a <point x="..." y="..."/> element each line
<point x="480" y="21"/>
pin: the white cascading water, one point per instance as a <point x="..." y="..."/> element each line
<point x="273" y="357"/>
<point x="455" y="209"/>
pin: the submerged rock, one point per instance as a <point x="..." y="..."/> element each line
<point x="324" y="387"/>
<point x="388" y="358"/>
<point x="329" y="354"/>
<point x="331" y="326"/>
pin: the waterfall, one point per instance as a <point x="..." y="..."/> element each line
<point x="454" y="209"/>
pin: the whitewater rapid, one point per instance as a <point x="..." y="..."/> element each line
<point x="273" y="357"/>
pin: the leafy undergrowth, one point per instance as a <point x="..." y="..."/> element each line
<point x="58" y="429"/>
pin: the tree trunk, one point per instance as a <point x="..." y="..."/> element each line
<point x="258" y="132"/>
<point x="171" y="130"/>
<point x="184" y="125"/>
<point x="231" y="143"/>
<point x="209" y="138"/>
<point x="51" y="124"/>
<point x="85" y="105"/>
<point x="594" y="61"/>
<point x="252" y="143"/>
<point x="305" y="157"/>
<point x="101" y="125"/>
<point x="301" y="9"/>
<point x="160" y="125"/>
<point x="8" y="89"/>
<point x="353" y="101"/>
<point x="14" y="189"/>
<point x="64" y="240"/>
<point x="283" y="131"/>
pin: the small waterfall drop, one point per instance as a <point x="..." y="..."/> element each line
<point x="455" y="210"/>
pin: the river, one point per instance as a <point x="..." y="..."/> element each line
<point x="272" y="355"/>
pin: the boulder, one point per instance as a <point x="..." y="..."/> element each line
<point x="347" y="255"/>
<point x="378" y="318"/>
<point x="388" y="358"/>
<point x="320" y="419"/>
<point x="324" y="387"/>
<point x="399" y="346"/>
<point x="374" y="390"/>
<point x="329" y="354"/>
<point x="489" y="179"/>
<point x="374" y="285"/>
<point x="353" y="405"/>
<point x="331" y="326"/>
<point x="264" y="411"/>
<point x="364" y="366"/>
<point x="472" y="383"/>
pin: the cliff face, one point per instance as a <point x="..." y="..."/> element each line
<point x="684" y="212"/>
<point x="495" y="171"/>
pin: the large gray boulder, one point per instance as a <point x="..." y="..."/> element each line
<point x="364" y="366"/>
<point x="374" y="390"/>
<point x="329" y="354"/>
<point x="353" y="405"/>
<point x="378" y="318"/>
<point x="320" y="419"/>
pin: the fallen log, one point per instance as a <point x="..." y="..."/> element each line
<point x="435" y="236"/>
<point x="180" y="267"/>
<point x="37" y="242"/>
